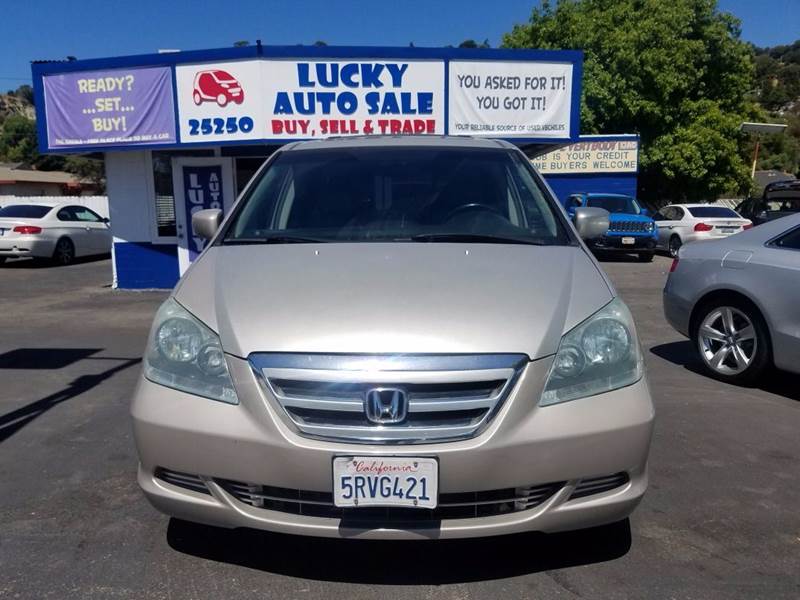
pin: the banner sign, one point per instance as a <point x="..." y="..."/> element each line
<point x="115" y="107"/>
<point x="312" y="99"/>
<point x="276" y="94"/>
<point x="294" y="99"/>
<point x="202" y="187"/>
<point x="591" y="156"/>
<point x="510" y="99"/>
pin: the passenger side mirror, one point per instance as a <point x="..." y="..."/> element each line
<point x="106" y="220"/>
<point x="590" y="222"/>
<point x="205" y="223"/>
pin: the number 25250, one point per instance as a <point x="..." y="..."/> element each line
<point x="219" y="126"/>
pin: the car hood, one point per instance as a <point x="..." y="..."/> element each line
<point x="393" y="298"/>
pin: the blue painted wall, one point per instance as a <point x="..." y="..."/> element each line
<point x="617" y="183"/>
<point x="142" y="265"/>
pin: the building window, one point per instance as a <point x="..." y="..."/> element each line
<point x="164" y="191"/>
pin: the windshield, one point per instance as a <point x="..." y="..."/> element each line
<point x="397" y="194"/>
<point x="24" y="211"/>
<point x="712" y="212"/>
<point x="615" y="204"/>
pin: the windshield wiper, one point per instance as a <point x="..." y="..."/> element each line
<point x="476" y="238"/>
<point x="273" y="239"/>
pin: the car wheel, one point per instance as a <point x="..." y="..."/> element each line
<point x="222" y="99"/>
<point x="197" y="98"/>
<point x="64" y="253"/>
<point x="733" y="341"/>
<point x="675" y="244"/>
<point x="645" y="256"/>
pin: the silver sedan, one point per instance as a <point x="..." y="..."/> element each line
<point x="58" y="231"/>
<point x="736" y="299"/>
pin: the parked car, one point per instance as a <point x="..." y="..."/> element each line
<point x="59" y="231"/>
<point x="395" y="338"/>
<point x="630" y="230"/>
<point x="736" y="299"/>
<point x="217" y="86"/>
<point x="680" y="224"/>
<point x="780" y="199"/>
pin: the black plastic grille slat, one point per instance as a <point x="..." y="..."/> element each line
<point x="628" y="226"/>
<point x="464" y="505"/>
<point x="597" y="485"/>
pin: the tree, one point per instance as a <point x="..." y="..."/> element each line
<point x="675" y="73"/>
<point x="18" y="140"/>
<point x="241" y="44"/>
<point x="320" y="43"/>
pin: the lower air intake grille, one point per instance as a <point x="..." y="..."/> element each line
<point x="182" y="480"/>
<point x="596" y="485"/>
<point x="466" y="505"/>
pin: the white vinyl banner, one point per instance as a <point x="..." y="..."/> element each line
<point x="321" y="98"/>
<point x="220" y="101"/>
<point x="510" y="99"/>
<point x="591" y="156"/>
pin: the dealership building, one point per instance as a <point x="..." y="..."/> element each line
<point x="183" y="131"/>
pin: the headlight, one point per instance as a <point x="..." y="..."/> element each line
<point x="184" y="354"/>
<point x="599" y="355"/>
<point x="650" y="226"/>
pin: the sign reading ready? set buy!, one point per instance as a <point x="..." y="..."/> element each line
<point x="112" y="107"/>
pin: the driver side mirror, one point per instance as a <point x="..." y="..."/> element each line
<point x="591" y="222"/>
<point x="205" y="223"/>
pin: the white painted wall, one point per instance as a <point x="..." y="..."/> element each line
<point x="127" y="177"/>
<point x="98" y="204"/>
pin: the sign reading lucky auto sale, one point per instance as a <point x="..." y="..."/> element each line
<point x="359" y="97"/>
<point x="510" y="99"/>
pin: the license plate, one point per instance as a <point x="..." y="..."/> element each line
<point x="726" y="229"/>
<point x="385" y="481"/>
<point x="628" y="241"/>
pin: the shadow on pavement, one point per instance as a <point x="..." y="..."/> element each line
<point x="44" y="358"/>
<point x="401" y="562"/>
<point x="12" y="422"/>
<point x="683" y="354"/>
<point x="43" y="263"/>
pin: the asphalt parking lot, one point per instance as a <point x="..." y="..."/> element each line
<point x="720" y="520"/>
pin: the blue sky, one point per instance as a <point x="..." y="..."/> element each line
<point x="53" y="29"/>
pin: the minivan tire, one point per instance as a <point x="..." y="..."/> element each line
<point x="745" y="316"/>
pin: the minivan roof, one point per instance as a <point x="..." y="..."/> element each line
<point x="376" y="141"/>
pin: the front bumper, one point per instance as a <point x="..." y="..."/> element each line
<point x="524" y="445"/>
<point x="614" y="243"/>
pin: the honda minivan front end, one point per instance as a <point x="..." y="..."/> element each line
<point x="394" y="338"/>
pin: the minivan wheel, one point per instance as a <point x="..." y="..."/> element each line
<point x="733" y="342"/>
<point x="64" y="253"/>
<point x="675" y="244"/>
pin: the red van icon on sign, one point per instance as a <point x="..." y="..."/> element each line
<point x="217" y="86"/>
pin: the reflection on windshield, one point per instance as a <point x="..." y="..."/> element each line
<point x="398" y="194"/>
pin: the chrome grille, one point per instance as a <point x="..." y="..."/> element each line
<point x="629" y="226"/>
<point x="448" y="396"/>
<point x="597" y="485"/>
<point x="182" y="480"/>
<point x="463" y="505"/>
